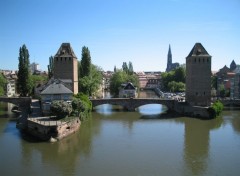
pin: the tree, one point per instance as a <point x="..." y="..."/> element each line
<point x="115" y="68"/>
<point x="90" y="84"/>
<point x="125" y="67"/>
<point x="60" y="108"/>
<point x="3" y="84"/>
<point x="85" y="66"/>
<point x="51" y="67"/>
<point x="174" y="80"/>
<point x="119" y="78"/>
<point x="24" y="84"/>
<point x="130" y="68"/>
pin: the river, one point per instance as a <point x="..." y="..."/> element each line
<point x="114" y="142"/>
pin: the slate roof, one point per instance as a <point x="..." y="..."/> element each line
<point x="65" y="50"/>
<point x="129" y="86"/>
<point x="198" y="50"/>
<point x="56" y="88"/>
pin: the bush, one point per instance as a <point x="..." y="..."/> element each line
<point x="81" y="106"/>
<point x="61" y="109"/>
<point x="216" y="109"/>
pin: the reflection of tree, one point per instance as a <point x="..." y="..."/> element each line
<point x="65" y="154"/>
<point x="197" y="143"/>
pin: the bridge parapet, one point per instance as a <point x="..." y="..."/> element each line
<point x="132" y="103"/>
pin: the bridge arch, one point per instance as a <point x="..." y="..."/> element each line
<point x="132" y="103"/>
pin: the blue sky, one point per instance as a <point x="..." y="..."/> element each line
<point x="118" y="31"/>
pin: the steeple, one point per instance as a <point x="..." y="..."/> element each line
<point x="233" y="65"/>
<point x="169" y="54"/>
<point x="169" y="60"/>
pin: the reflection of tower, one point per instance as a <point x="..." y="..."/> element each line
<point x="169" y="60"/>
<point x="196" y="146"/>
<point x="66" y="66"/>
<point x="198" y="76"/>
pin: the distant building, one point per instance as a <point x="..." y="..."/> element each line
<point x="149" y="80"/>
<point x="11" y="77"/>
<point x="66" y="66"/>
<point x="35" y="68"/>
<point x="127" y="91"/>
<point x="170" y="66"/>
<point x="198" y="76"/>
<point x="55" y="91"/>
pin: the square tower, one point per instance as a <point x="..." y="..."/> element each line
<point x="198" y="76"/>
<point x="66" y="66"/>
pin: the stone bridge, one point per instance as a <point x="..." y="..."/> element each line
<point x="24" y="105"/>
<point x="132" y="103"/>
<point x="21" y="102"/>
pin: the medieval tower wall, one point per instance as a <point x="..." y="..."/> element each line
<point x="198" y="76"/>
<point x="66" y="66"/>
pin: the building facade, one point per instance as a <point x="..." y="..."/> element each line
<point x="128" y="91"/>
<point x="54" y="91"/>
<point x="66" y="66"/>
<point x="198" y="76"/>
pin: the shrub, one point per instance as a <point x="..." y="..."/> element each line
<point x="61" y="109"/>
<point x="216" y="109"/>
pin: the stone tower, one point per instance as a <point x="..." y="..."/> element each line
<point x="169" y="60"/>
<point x="198" y="76"/>
<point x="66" y="67"/>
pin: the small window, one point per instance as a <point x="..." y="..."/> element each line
<point x="199" y="60"/>
<point x="57" y="58"/>
<point x="195" y="59"/>
<point x="61" y="58"/>
<point x="203" y="93"/>
<point x="69" y="58"/>
<point x="203" y="60"/>
<point x="207" y="60"/>
<point x="196" y="93"/>
<point x="65" y="58"/>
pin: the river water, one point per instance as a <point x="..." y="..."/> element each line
<point x="113" y="142"/>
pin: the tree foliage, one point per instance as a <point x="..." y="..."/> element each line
<point x="120" y="77"/>
<point x="215" y="109"/>
<point x="90" y="84"/>
<point x="51" y="67"/>
<point x="174" y="80"/>
<point x="24" y="84"/>
<point x="60" y="108"/>
<point x="85" y="64"/>
<point x="90" y="76"/>
<point x="81" y="105"/>
<point x="128" y="68"/>
<point x="3" y="84"/>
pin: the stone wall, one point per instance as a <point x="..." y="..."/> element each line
<point x="59" y="130"/>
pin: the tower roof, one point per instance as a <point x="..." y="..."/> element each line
<point x="169" y="50"/>
<point x="198" y="50"/>
<point x="65" y="50"/>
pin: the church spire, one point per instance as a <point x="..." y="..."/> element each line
<point x="169" y="59"/>
<point x="169" y="51"/>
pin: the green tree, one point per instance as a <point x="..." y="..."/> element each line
<point x="115" y="68"/>
<point x="90" y="84"/>
<point x="85" y="65"/>
<point x="130" y="68"/>
<point x="3" y="84"/>
<point x="125" y="67"/>
<point x="174" y="80"/>
<point x="60" y="108"/>
<point x="119" y="78"/>
<point x="24" y="83"/>
<point x="51" y="67"/>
